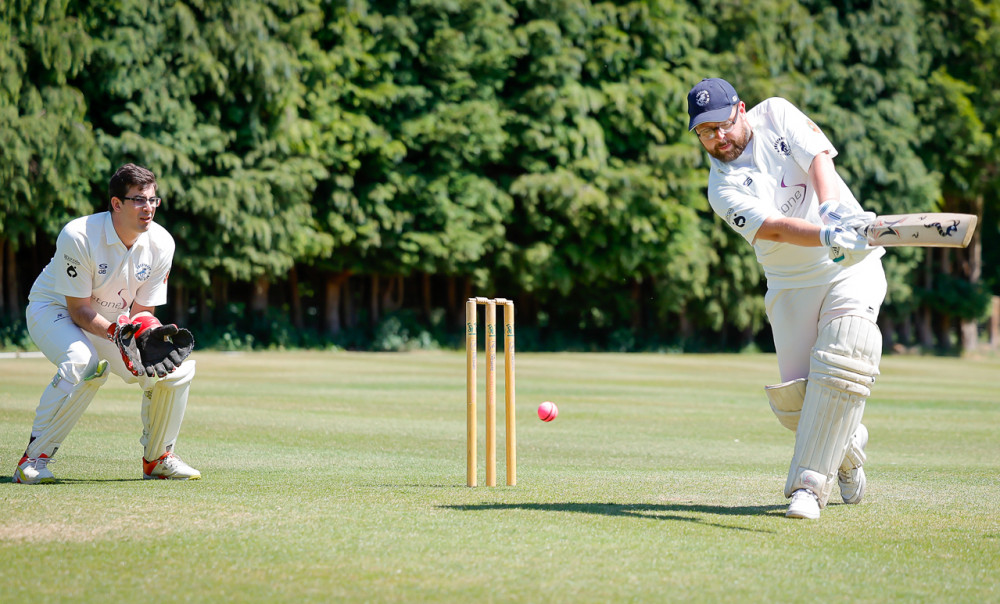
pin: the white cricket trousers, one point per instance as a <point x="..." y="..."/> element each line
<point x="797" y="315"/>
<point x="75" y="353"/>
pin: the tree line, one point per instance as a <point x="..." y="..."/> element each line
<point x="349" y="172"/>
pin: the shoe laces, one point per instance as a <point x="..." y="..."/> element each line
<point x="170" y="460"/>
<point x="41" y="462"/>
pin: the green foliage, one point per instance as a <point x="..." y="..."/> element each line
<point x="48" y="153"/>
<point x="532" y="149"/>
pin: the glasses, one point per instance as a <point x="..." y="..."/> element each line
<point x="140" y="201"/>
<point x="726" y="127"/>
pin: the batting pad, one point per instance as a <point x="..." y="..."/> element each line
<point x="841" y="372"/>
<point x="786" y="401"/>
<point x="70" y="401"/>
<point x="163" y="408"/>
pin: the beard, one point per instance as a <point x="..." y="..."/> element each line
<point x="735" y="149"/>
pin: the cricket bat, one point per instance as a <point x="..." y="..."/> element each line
<point x="923" y="230"/>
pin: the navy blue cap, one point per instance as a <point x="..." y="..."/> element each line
<point x="711" y="100"/>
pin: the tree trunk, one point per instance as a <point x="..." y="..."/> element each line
<point x="296" y="299"/>
<point x="888" y="328"/>
<point x="374" y="301"/>
<point x="10" y="272"/>
<point x="350" y="311"/>
<point x="331" y="307"/>
<point x="220" y="295"/>
<point x="969" y="328"/>
<point x="3" y="302"/>
<point x="180" y="305"/>
<point x="258" y="300"/>
<point x="925" y="319"/>
<point x="425" y="283"/>
<point x="204" y="312"/>
<point x="635" y="317"/>
<point x="995" y="323"/>
<point x="392" y="299"/>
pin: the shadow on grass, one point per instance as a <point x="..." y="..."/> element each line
<point x="637" y="510"/>
<point x="58" y="481"/>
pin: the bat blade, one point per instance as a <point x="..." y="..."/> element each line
<point x="929" y="229"/>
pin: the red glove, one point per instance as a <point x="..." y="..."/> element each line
<point x="122" y="334"/>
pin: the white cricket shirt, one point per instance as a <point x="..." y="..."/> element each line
<point x="91" y="261"/>
<point x="771" y="178"/>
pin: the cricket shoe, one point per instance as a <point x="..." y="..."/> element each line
<point x="33" y="470"/>
<point x="851" y="475"/>
<point x="804" y="505"/>
<point x="168" y="466"/>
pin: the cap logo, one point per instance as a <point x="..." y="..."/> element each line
<point x="702" y="98"/>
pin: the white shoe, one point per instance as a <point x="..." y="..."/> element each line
<point x="33" y="470"/>
<point x="851" y="475"/>
<point x="168" y="466"/>
<point x="804" y="505"/>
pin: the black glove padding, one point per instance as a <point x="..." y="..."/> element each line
<point x="164" y="348"/>
<point x="123" y="335"/>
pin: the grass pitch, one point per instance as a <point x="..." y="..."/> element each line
<point x="340" y="477"/>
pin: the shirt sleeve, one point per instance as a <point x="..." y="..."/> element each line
<point x="804" y="136"/>
<point x="740" y="207"/>
<point x="153" y="292"/>
<point x="75" y="275"/>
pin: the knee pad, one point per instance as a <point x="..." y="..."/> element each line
<point x="842" y="370"/>
<point x="786" y="401"/>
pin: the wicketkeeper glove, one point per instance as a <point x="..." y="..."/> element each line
<point x="162" y="347"/>
<point x="122" y="333"/>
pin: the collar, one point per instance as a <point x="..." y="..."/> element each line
<point x="111" y="235"/>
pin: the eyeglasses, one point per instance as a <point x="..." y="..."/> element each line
<point x="726" y="127"/>
<point x="140" y="201"/>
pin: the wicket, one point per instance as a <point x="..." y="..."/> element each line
<point x="471" y="355"/>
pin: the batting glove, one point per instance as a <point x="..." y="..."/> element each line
<point x="846" y="246"/>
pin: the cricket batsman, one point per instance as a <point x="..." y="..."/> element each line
<point x="773" y="181"/>
<point x="90" y="311"/>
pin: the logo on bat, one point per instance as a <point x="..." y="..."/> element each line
<point x="944" y="231"/>
<point x="885" y="230"/>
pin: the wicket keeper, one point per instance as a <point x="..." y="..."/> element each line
<point x="773" y="181"/>
<point x="91" y="310"/>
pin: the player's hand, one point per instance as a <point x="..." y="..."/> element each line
<point x="122" y="333"/>
<point x="847" y="246"/>
<point x="838" y="214"/>
<point x="163" y="347"/>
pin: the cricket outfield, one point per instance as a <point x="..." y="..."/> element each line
<point x="341" y="477"/>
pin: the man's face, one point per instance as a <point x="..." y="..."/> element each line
<point x="725" y="141"/>
<point x="134" y="216"/>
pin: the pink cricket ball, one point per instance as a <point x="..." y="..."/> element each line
<point x="547" y="411"/>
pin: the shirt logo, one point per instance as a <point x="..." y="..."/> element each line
<point x="795" y="199"/>
<point x="142" y="272"/>
<point x="110" y="303"/>
<point x="735" y="219"/>
<point x="748" y="182"/>
<point x="102" y="269"/>
<point x="71" y="271"/>
<point x="781" y="146"/>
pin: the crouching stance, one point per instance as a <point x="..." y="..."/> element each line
<point x="91" y="314"/>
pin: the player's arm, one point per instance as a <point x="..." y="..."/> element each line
<point x="785" y="229"/>
<point x="138" y="310"/>
<point x="84" y="315"/>
<point x="824" y="178"/>
<point x="121" y="333"/>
